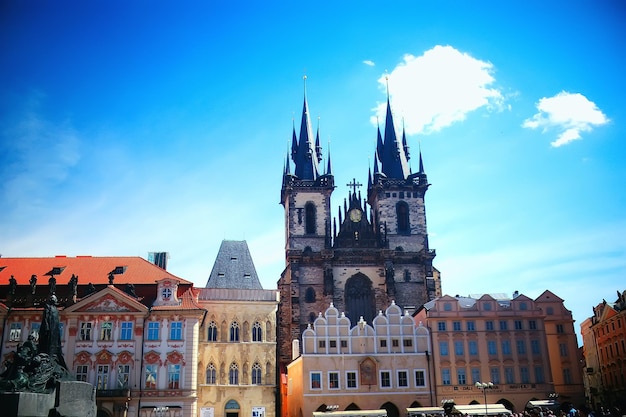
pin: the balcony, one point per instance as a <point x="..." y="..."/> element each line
<point x="113" y="393"/>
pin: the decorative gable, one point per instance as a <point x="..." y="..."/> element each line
<point x="108" y="303"/>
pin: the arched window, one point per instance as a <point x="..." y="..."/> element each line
<point x="234" y="332"/>
<point x="257" y="332"/>
<point x="233" y="374"/>
<point x="212" y="332"/>
<point x="309" y="218"/>
<point x="256" y="374"/>
<point x="211" y="374"/>
<point x="309" y="295"/>
<point x="402" y="214"/>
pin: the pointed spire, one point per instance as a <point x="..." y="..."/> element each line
<point x="329" y="167"/>
<point x="306" y="157"/>
<point x="405" y="145"/>
<point x="318" y="147"/>
<point x="392" y="156"/>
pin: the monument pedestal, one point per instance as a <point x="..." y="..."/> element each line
<point x="69" y="399"/>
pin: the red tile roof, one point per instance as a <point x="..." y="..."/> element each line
<point x="188" y="301"/>
<point x="88" y="269"/>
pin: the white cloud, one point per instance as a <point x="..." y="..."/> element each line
<point x="439" y="88"/>
<point x="369" y="63"/>
<point x="568" y="113"/>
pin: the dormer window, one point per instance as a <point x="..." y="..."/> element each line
<point x="119" y="270"/>
<point x="56" y="270"/>
<point x="166" y="293"/>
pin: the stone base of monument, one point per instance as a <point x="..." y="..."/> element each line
<point x="69" y="399"/>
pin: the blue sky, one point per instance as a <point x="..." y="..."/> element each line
<point x="130" y="127"/>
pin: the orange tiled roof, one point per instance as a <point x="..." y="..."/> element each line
<point x="187" y="302"/>
<point x="88" y="269"/>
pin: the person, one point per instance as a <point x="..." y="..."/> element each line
<point x="572" y="412"/>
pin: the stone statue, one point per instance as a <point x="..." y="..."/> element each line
<point x="33" y="284"/>
<point x="111" y="278"/>
<point x="130" y="290"/>
<point x="12" y="285"/>
<point x="90" y="289"/>
<point x="73" y="284"/>
<point x="52" y="285"/>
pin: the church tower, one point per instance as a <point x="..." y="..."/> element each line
<point x="373" y="253"/>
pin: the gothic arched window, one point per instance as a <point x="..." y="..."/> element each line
<point x="360" y="298"/>
<point x="211" y="374"/>
<point x="233" y="374"/>
<point x="402" y="214"/>
<point x="257" y="332"/>
<point x="256" y="374"/>
<point x="234" y="332"/>
<point x="309" y="218"/>
<point x="309" y="295"/>
<point x="212" y="332"/>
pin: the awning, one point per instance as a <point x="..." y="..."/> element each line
<point x="416" y="411"/>
<point x="542" y="403"/>
<point x="351" y="413"/>
<point x="479" y="409"/>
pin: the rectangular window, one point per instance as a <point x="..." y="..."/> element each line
<point x="351" y="379"/>
<point x="102" y="378"/>
<point x="34" y="329"/>
<point x="176" y="330"/>
<point x="395" y="343"/>
<point x="123" y="374"/>
<point x="333" y="380"/>
<point x="403" y="379"/>
<point x="534" y="346"/>
<point x="492" y="347"/>
<point x="443" y="348"/>
<point x="489" y="325"/>
<point x="151" y="376"/>
<point x="509" y="375"/>
<point x="458" y="348"/>
<point x="472" y="346"/>
<point x="559" y="328"/>
<point x="503" y="325"/>
<point x="420" y="378"/>
<point x="173" y="376"/>
<point x="85" y="331"/>
<point x="407" y="342"/>
<point x="383" y="343"/>
<point x="567" y="376"/>
<point x="470" y="326"/>
<point x="506" y="347"/>
<point x="441" y="326"/>
<point x="445" y="376"/>
<point x="521" y="347"/>
<point x="539" y="378"/>
<point x="316" y="380"/>
<point x="16" y="332"/>
<point x="81" y="373"/>
<point x="524" y="375"/>
<point x="495" y="375"/>
<point x="385" y="379"/>
<point x="518" y="324"/>
<point x="333" y="343"/>
<point x="460" y="376"/>
<point x="456" y="326"/>
<point x="153" y="330"/>
<point x="563" y="349"/>
<point x="532" y="324"/>
<point x="344" y="343"/>
<point x="322" y="344"/>
<point x="126" y="331"/>
<point x="106" y="330"/>
<point x="475" y="375"/>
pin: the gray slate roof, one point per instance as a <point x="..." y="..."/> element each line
<point x="234" y="268"/>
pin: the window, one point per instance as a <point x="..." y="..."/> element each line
<point x="475" y="375"/>
<point x="126" y="330"/>
<point x="81" y="373"/>
<point x="495" y="375"/>
<point x="523" y="306"/>
<point x="567" y="376"/>
<point x="487" y="306"/>
<point x="506" y="347"/>
<point x="460" y="376"/>
<point x="106" y="330"/>
<point x="508" y="375"/>
<point x="85" y="331"/>
<point x="333" y="343"/>
<point x="549" y="311"/>
<point x="34" y="329"/>
<point x="395" y="343"/>
<point x="470" y="326"/>
<point x="534" y="347"/>
<point x="458" y="348"/>
<point x="176" y="330"/>
<point x="563" y="349"/>
<point x="309" y="295"/>
<point x="256" y="374"/>
<point x="211" y="374"/>
<point x="333" y="380"/>
<point x="489" y="325"/>
<point x="151" y="376"/>
<point x="503" y="325"/>
<point x="402" y="213"/>
<point x="524" y="375"/>
<point x="233" y="374"/>
<point x="492" y="347"/>
<point x="16" y="332"/>
<point x="559" y="328"/>
<point x="383" y="343"/>
<point x="385" y="379"/>
<point x="445" y="376"/>
<point x="309" y="218"/>
<point x="212" y="332"/>
<point x="407" y="342"/>
<point x="351" y="379"/>
<point x="173" y="376"/>
<point x="316" y="380"/>
<point x="518" y="324"/>
<point x="344" y="343"/>
<point x="532" y="324"/>
<point x="472" y="346"/>
<point x="257" y="332"/>
<point x="521" y="347"/>
<point x="447" y="306"/>
<point x="403" y="379"/>
<point x="153" y="330"/>
<point x="441" y="326"/>
<point x="321" y="344"/>
<point x="420" y="378"/>
<point x="234" y="332"/>
<point x="102" y="377"/>
<point x="443" y="348"/>
<point x="539" y="377"/>
<point x="456" y="326"/>
<point x="123" y="374"/>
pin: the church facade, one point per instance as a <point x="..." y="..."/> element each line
<point x="373" y="254"/>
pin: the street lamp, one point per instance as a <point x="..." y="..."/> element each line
<point x="485" y="386"/>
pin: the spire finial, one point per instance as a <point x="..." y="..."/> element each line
<point x="387" y="82"/>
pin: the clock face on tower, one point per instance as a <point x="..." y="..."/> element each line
<point x="355" y="215"/>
